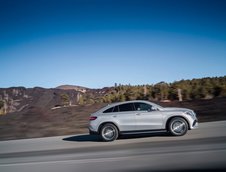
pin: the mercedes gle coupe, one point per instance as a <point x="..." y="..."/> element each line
<point x="138" y="116"/>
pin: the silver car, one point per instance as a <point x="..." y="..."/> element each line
<point x="138" y="116"/>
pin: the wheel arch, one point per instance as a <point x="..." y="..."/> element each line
<point x="107" y="122"/>
<point x="177" y="116"/>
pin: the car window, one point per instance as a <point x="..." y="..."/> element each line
<point x="109" y="110"/>
<point x="115" y="109"/>
<point x="126" y="107"/>
<point x="142" y="107"/>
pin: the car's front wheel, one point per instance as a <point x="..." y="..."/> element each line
<point x="109" y="132"/>
<point x="178" y="126"/>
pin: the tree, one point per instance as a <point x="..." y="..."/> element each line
<point x="1" y="104"/>
<point x="81" y="100"/>
<point x="122" y="98"/>
<point x="129" y="94"/>
<point x="65" y="99"/>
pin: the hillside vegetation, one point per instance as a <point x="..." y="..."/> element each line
<point x="205" y="88"/>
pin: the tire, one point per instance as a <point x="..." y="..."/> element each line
<point x="178" y="126"/>
<point x="109" y="132"/>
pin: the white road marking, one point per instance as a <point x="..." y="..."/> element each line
<point x="68" y="161"/>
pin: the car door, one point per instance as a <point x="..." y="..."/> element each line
<point x="147" y="117"/>
<point x="125" y="117"/>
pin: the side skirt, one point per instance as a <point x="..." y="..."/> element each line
<point x="142" y="132"/>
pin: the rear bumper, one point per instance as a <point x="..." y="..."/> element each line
<point x="92" y="132"/>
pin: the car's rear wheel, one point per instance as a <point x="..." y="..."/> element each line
<point x="109" y="132"/>
<point x="178" y="126"/>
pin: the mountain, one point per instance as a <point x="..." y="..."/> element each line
<point x="21" y="99"/>
<point x="73" y="87"/>
<point x="18" y="99"/>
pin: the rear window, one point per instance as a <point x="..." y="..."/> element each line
<point x="109" y="110"/>
<point x="120" y="108"/>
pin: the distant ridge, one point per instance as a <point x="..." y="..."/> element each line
<point x="72" y="87"/>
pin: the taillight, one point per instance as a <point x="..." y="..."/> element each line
<point x="91" y="118"/>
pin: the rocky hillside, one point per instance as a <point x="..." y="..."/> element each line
<point x="20" y="99"/>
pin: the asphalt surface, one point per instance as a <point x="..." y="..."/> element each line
<point x="203" y="149"/>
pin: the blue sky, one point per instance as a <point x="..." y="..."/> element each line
<point x="96" y="43"/>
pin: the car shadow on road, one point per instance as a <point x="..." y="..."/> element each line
<point x="96" y="138"/>
<point x="83" y="138"/>
<point x="136" y="136"/>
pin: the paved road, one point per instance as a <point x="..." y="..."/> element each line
<point x="202" y="150"/>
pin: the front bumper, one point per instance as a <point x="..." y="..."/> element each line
<point x="195" y="124"/>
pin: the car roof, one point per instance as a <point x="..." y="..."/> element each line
<point x="124" y="102"/>
<point x="131" y="101"/>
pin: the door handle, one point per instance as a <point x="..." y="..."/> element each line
<point x="114" y="116"/>
<point x="138" y="114"/>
